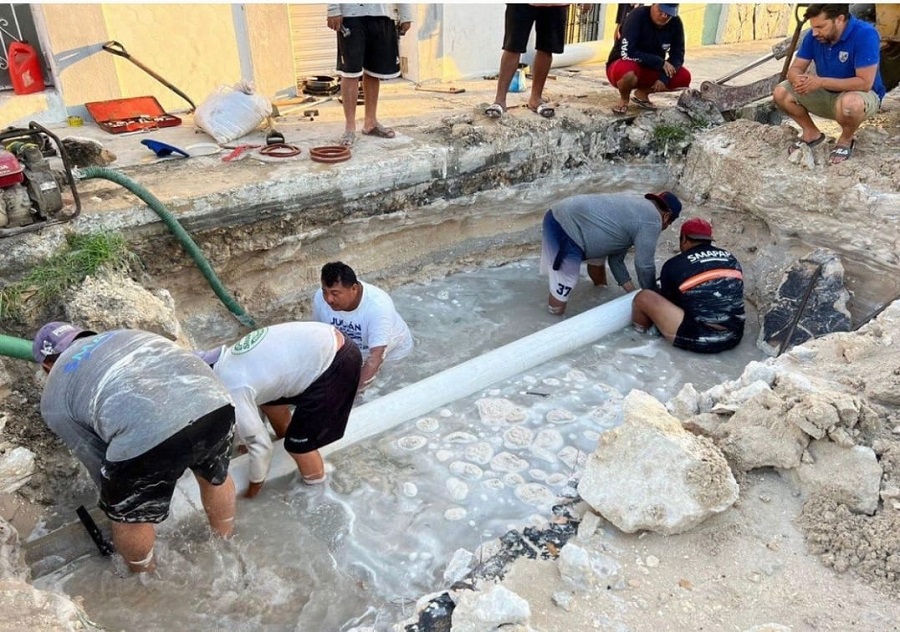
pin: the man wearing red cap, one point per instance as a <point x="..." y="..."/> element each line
<point x="700" y="302"/>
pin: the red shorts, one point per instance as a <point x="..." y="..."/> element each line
<point x="646" y="76"/>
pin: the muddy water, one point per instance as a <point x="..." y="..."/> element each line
<point x="359" y="550"/>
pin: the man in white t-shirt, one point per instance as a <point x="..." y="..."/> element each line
<point x="310" y="366"/>
<point x="363" y="313"/>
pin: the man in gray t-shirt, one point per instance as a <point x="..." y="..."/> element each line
<point x="137" y="410"/>
<point x="597" y="227"/>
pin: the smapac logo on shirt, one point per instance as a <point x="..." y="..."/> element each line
<point x="708" y="255"/>
<point x="843" y="56"/>
<point x="249" y="341"/>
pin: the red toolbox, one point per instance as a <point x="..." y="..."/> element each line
<point x="136" y="114"/>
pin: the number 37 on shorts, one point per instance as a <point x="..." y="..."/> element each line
<point x="563" y="290"/>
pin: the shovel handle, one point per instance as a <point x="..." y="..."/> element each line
<point x="116" y="48"/>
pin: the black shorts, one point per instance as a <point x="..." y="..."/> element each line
<point x="141" y="489"/>
<point x="321" y="411"/>
<point x="549" y="24"/>
<point x="372" y="46"/>
<point x="697" y="337"/>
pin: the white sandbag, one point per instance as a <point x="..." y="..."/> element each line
<point x="231" y="112"/>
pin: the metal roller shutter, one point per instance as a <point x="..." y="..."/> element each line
<point x="313" y="43"/>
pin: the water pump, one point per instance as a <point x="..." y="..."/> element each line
<point x="33" y="193"/>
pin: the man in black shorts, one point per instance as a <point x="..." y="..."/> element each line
<point x="138" y="410"/>
<point x="367" y="47"/>
<point x="311" y="366"/>
<point x="700" y="303"/>
<point x="549" y="21"/>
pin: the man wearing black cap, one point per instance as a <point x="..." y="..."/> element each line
<point x="648" y="57"/>
<point x="595" y="227"/>
<point x="700" y="302"/>
<point x="138" y="410"/>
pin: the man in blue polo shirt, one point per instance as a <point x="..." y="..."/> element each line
<point x="847" y="86"/>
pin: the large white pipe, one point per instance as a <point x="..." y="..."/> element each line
<point x="442" y="388"/>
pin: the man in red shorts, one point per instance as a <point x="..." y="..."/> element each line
<point x="648" y="57"/>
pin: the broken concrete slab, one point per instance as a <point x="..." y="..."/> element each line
<point x="810" y="302"/>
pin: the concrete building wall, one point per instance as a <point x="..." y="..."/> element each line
<point x="270" y="48"/>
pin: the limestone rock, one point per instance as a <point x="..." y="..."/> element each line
<point x="5" y="382"/>
<point x="12" y="563"/>
<point x="563" y="599"/>
<point x="585" y="570"/>
<point x="115" y="301"/>
<point x="588" y="526"/>
<point x="758" y="435"/>
<point x="825" y="310"/>
<point x="769" y="627"/>
<point x="759" y="372"/>
<point x="16" y="468"/>
<point x="858" y="484"/>
<point x="483" y="611"/>
<point x="649" y="473"/>
<point x="23" y="607"/>
<point x="686" y="403"/>
<point x="814" y="415"/>
<point x="741" y="395"/>
<point x="706" y="424"/>
<point x="459" y="566"/>
<point x="702" y="112"/>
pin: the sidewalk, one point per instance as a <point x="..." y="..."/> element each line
<point x="402" y="105"/>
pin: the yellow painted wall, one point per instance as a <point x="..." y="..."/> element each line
<point x="21" y="107"/>
<point x="692" y="16"/>
<point x="747" y="22"/>
<point x="86" y="73"/>
<point x="193" y="46"/>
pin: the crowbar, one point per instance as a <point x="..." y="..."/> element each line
<point x="117" y="49"/>
<point x="104" y="546"/>
<point x="450" y="90"/>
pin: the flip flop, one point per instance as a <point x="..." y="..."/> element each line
<point x="380" y="131"/>
<point x="840" y="153"/>
<point x="543" y="109"/>
<point x="347" y="139"/>
<point x="620" y="109"/>
<point x="799" y="143"/>
<point x="494" y="111"/>
<point x="644" y="104"/>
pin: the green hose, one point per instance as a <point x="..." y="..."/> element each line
<point x="15" y="348"/>
<point x="169" y="220"/>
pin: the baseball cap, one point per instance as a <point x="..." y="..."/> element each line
<point x="698" y="229"/>
<point x="667" y="199"/>
<point x="210" y="356"/>
<point x="54" y="338"/>
<point x="669" y="9"/>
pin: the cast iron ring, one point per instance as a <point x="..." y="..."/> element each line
<point x="330" y="153"/>
<point x="280" y="150"/>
